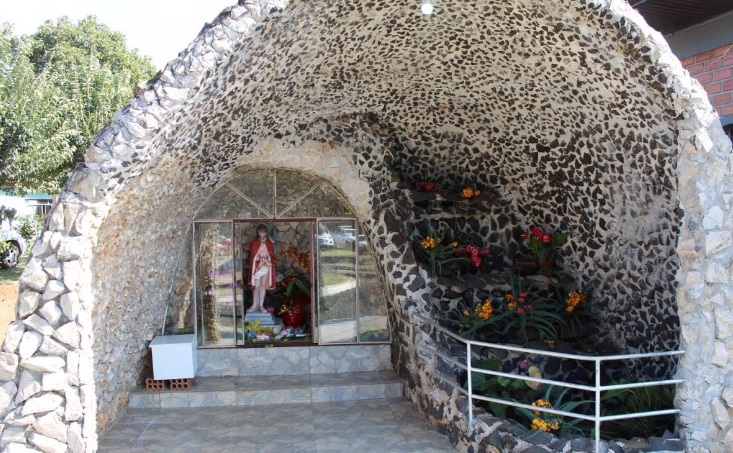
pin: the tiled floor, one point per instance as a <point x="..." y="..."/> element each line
<point x="379" y="425"/>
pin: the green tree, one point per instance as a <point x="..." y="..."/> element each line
<point x="34" y="129"/>
<point x="60" y="86"/>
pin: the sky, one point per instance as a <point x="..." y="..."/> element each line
<point x="156" y="28"/>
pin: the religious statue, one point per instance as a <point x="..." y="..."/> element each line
<point x="261" y="268"/>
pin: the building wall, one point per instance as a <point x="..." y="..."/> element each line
<point x="714" y="70"/>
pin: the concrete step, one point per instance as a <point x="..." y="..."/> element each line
<point x="295" y="360"/>
<point x="274" y="389"/>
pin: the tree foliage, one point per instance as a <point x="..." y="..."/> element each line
<point x="58" y="88"/>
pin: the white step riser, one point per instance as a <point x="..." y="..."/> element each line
<point x="293" y="360"/>
<point x="219" y="398"/>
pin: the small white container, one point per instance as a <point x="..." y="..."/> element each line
<point x="174" y="356"/>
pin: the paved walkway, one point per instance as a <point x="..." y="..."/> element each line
<point x="380" y="425"/>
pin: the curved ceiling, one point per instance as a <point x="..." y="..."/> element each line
<point x="476" y="78"/>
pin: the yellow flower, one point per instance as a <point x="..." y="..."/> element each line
<point x="541" y="403"/>
<point x="454" y="244"/>
<point x="545" y="426"/>
<point x="574" y="298"/>
<point x="540" y="425"/>
<point x="428" y="243"/>
<point x="484" y="310"/>
<point x="467" y="192"/>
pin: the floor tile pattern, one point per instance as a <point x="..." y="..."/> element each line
<point x="384" y="425"/>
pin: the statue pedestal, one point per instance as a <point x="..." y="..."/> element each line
<point x="265" y="319"/>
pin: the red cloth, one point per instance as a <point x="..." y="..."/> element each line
<point x="254" y="246"/>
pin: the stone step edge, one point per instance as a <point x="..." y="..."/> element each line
<point x="389" y="386"/>
<point x="388" y="377"/>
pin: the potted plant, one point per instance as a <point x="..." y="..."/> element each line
<point x="297" y="296"/>
<point x="291" y="314"/>
<point x="543" y="245"/>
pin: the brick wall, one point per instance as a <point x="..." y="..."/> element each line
<point x="714" y="70"/>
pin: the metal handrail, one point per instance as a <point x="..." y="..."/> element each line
<point x="597" y="418"/>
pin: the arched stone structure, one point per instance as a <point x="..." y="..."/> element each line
<point x="573" y="110"/>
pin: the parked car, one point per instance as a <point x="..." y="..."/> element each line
<point x="10" y="257"/>
<point x="325" y="239"/>
<point x="344" y="237"/>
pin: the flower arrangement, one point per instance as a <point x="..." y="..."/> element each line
<point x="477" y="317"/>
<point x="523" y="313"/>
<point x="435" y="251"/>
<point x="527" y="312"/>
<point x="543" y="244"/>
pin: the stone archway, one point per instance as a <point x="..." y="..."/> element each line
<point x="510" y="95"/>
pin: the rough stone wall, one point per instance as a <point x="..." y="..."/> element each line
<point x="607" y="138"/>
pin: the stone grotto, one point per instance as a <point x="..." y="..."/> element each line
<point x="572" y="114"/>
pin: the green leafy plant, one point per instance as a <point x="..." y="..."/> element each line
<point x="478" y="317"/>
<point x="295" y="286"/>
<point x="543" y="244"/>
<point x="639" y="399"/>
<point x="525" y="312"/>
<point x="502" y="387"/>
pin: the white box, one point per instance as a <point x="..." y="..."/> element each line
<point x="174" y="356"/>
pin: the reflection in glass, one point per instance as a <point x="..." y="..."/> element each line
<point x="215" y="278"/>
<point x="372" y="306"/>
<point x="337" y="308"/>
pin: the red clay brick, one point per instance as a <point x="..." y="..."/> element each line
<point x="704" y="79"/>
<point x="723" y="74"/>
<point x="713" y="88"/>
<point x="695" y="69"/>
<point x="180" y="384"/>
<point x="720" y="51"/>
<point x="705" y="56"/>
<point x="713" y="64"/>
<point x="152" y="384"/>
<point x="721" y="99"/>
<point x="725" y="110"/>
<point x="728" y="85"/>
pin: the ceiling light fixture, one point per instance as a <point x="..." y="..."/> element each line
<point x="426" y="7"/>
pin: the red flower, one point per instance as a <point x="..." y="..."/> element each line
<point x="537" y="231"/>
<point x="546" y="237"/>
<point x="525" y="236"/>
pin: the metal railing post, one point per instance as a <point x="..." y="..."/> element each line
<point x="470" y="383"/>
<point x="598" y="405"/>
